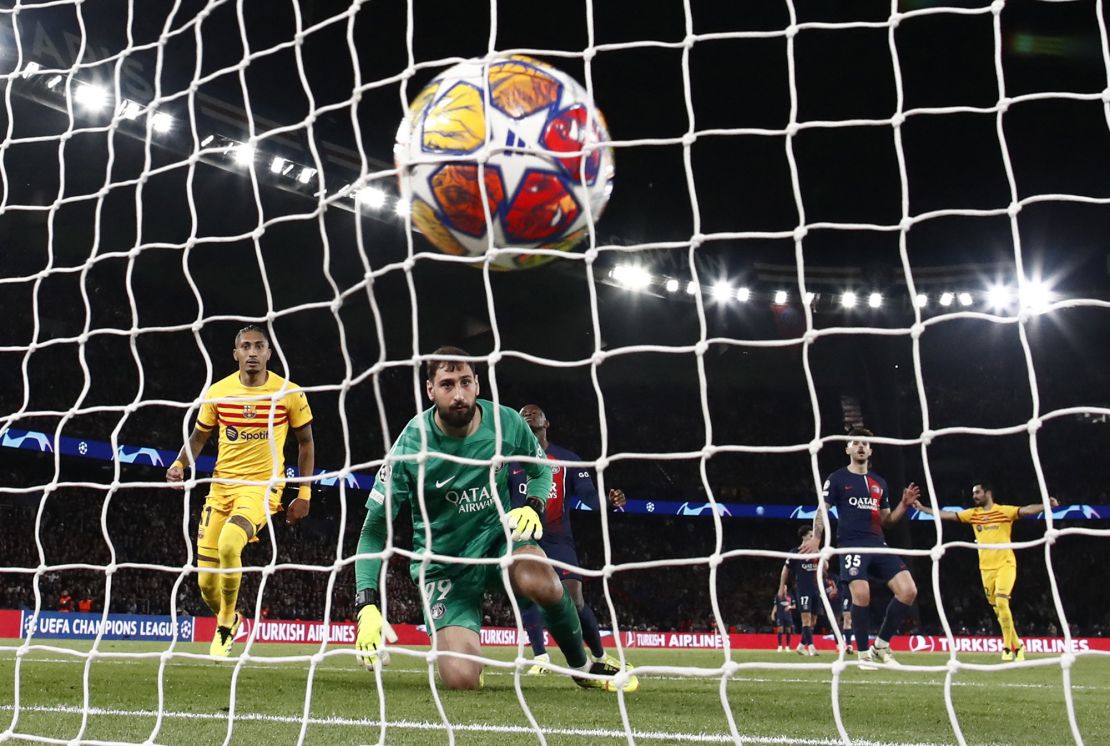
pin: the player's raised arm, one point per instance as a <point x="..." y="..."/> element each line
<point x="784" y="576"/>
<point x="910" y="495"/>
<point x="1035" y="508"/>
<point x="945" y="515"/>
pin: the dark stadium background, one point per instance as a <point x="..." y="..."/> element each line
<point x="974" y="370"/>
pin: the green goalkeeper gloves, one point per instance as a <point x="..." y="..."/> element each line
<point x="371" y="628"/>
<point x="525" y="521"/>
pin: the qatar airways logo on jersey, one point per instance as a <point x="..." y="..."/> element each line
<point x="870" y="502"/>
<point x="470" y="500"/>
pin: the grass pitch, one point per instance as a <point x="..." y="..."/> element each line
<point x="784" y="705"/>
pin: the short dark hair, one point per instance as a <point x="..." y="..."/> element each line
<point x="434" y="363"/>
<point x="860" y="432"/>
<point x="987" y="486"/>
<point x="252" y="328"/>
<point x="803" y="530"/>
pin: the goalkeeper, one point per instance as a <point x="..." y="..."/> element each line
<point x="461" y="515"/>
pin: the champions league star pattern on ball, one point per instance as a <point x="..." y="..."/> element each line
<point x="547" y="169"/>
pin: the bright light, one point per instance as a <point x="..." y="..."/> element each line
<point x="1036" y="296"/>
<point x="632" y="276"/>
<point x="921" y="300"/>
<point x="92" y="97"/>
<point x="243" y="154"/>
<point x="875" y="300"/>
<point x="276" y="165"/>
<point x="130" y="110"/>
<point x="162" y="123"/>
<point x="402" y="208"/>
<point x="372" y="197"/>
<point x="964" y="298"/>
<point x="998" y="297"/>
<point x="207" y="141"/>
<point x="722" y="291"/>
<point x="810" y="297"/>
<point x="946" y="299"/>
<point x="780" y="297"/>
<point x="672" y="285"/>
<point x="743" y="295"/>
<point x="691" y="287"/>
<point x="848" y="299"/>
<point x="306" y="175"/>
<point x="30" y="69"/>
<point x="53" y="82"/>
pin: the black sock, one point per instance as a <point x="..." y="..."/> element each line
<point x="895" y="612"/>
<point x="591" y="635"/>
<point x="861" y="623"/>
<point x="807" y="635"/>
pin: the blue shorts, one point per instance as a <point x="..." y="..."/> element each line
<point x="783" y="617"/>
<point x="562" y="552"/>
<point x="808" y="600"/>
<point x="879" y="567"/>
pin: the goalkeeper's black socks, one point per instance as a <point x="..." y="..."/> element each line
<point x="591" y="635"/>
<point x="561" y="620"/>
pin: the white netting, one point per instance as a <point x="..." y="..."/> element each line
<point x="173" y="171"/>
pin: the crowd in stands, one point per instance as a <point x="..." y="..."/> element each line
<point x="54" y="542"/>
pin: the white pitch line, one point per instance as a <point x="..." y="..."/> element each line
<point x="673" y="737"/>
<point x="869" y="681"/>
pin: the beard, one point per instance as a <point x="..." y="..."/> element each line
<point x="457" y="416"/>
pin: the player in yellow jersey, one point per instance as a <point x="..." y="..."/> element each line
<point x="253" y="410"/>
<point x="993" y="524"/>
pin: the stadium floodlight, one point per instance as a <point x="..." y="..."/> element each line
<point x="691" y="287"/>
<point x="306" y="175"/>
<point x="781" y="296"/>
<point x="207" y="141"/>
<point x="402" y="208"/>
<point x="243" y="153"/>
<point x="921" y="300"/>
<point x="672" y="285"/>
<point x="1035" y="296"/>
<point x="371" y="197"/>
<point x="998" y="297"/>
<point x="946" y="299"/>
<point x="130" y="110"/>
<point x="90" y="96"/>
<point x="848" y="299"/>
<point x="743" y="295"/>
<point x="277" y="164"/>
<point x="632" y="276"/>
<point x="722" y="291"/>
<point x="162" y="122"/>
<point x="964" y="298"/>
<point x="875" y="300"/>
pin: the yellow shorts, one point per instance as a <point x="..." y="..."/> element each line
<point x="999" y="581"/>
<point x="248" y="501"/>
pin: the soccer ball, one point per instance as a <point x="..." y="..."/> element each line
<point x="538" y="144"/>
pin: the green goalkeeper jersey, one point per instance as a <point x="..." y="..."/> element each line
<point x="460" y="503"/>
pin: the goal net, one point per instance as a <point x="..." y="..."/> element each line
<point x="890" y="216"/>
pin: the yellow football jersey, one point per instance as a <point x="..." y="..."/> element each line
<point x="992" y="527"/>
<point x="245" y="430"/>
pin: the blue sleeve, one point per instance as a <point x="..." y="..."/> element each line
<point x="884" y="504"/>
<point x="830" y="491"/>
<point x="518" y="485"/>
<point x="582" y="485"/>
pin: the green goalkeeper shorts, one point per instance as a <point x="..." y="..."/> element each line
<point x="454" y="594"/>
